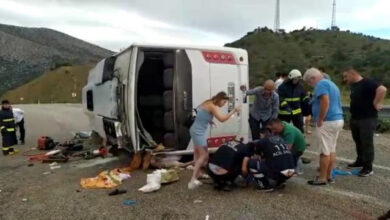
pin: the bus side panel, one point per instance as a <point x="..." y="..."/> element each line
<point x="200" y="80"/>
<point x="244" y="124"/>
<point x="226" y="77"/>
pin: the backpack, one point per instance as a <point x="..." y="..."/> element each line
<point x="45" y="143"/>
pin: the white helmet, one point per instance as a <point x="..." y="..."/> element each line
<point x="294" y="74"/>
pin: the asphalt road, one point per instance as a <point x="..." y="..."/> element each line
<point x="59" y="196"/>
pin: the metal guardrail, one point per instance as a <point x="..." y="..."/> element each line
<point x="385" y="112"/>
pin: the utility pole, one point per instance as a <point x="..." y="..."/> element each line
<point x="277" y="17"/>
<point x="333" y="24"/>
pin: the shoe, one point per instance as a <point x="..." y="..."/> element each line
<point x="316" y="182"/>
<point x="331" y="181"/>
<point x="194" y="184"/>
<point x="266" y="189"/>
<point x="355" y="165"/>
<point x="22" y="142"/>
<point x="365" y="172"/>
<point x="204" y="176"/>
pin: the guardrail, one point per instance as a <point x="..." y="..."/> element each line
<point x="385" y="112"/>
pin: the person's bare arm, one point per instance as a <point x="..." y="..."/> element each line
<point x="324" y="106"/>
<point x="244" y="166"/>
<point x="222" y="117"/>
<point x="379" y="97"/>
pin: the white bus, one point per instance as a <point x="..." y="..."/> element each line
<point x="149" y="92"/>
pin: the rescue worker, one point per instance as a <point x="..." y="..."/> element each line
<point x="7" y="126"/>
<point x="275" y="166"/>
<point x="292" y="99"/>
<point x="229" y="161"/>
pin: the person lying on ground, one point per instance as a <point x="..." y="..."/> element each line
<point x="228" y="162"/>
<point x="275" y="166"/>
<point x="293" y="137"/>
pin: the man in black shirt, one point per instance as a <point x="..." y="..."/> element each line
<point x="366" y="100"/>
<point x="276" y="164"/>
<point x="229" y="161"/>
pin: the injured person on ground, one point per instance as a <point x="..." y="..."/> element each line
<point x="268" y="162"/>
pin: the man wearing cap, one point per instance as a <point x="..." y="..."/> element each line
<point x="7" y="127"/>
<point x="265" y="108"/>
<point x="292" y="99"/>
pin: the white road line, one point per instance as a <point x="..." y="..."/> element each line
<point x="350" y="161"/>
<point x="353" y="195"/>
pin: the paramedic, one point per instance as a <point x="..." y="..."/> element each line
<point x="205" y="114"/>
<point x="229" y="161"/>
<point x="328" y="115"/>
<point x="292" y="99"/>
<point x="7" y="126"/>
<point x="265" y="108"/>
<point x="275" y="166"/>
<point x="293" y="137"/>
<point x="19" y="120"/>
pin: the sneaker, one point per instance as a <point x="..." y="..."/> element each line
<point x="331" y="181"/>
<point x="316" y="182"/>
<point x="194" y="184"/>
<point x="355" y="165"/>
<point x="266" y="189"/>
<point x="365" y="172"/>
<point x="204" y="176"/>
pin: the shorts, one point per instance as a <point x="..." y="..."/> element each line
<point x="327" y="136"/>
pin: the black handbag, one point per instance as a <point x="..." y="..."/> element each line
<point x="191" y="118"/>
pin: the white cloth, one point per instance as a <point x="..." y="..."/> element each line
<point x="18" y="114"/>
<point x="278" y="82"/>
<point x="327" y="136"/>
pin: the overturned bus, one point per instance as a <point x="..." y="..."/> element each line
<point x="147" y="93"/>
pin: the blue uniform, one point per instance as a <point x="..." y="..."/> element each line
<point x="199" y="127"/>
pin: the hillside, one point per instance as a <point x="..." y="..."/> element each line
<point x="28" y="52"/>
<point x="270" y="52"/>
<point x="55" y="86"/>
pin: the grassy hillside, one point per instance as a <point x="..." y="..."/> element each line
<point x="270" y="52"/>
<point x="54" y="86"/>
<point x="26" y="53"/>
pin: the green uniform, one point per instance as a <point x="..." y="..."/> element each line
<point x="294" y="136"/>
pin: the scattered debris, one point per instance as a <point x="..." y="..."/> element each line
<point x="77" y="190"/>
<point x="190" y="167"/>
<point x="46" y="173"/>
<point x="30" y="165"/>
<point x="207" y="217"/>
<point x="198" y="201"/>
<point x="106" y="179"/>
<point x="24" y="200"/>
<point x="129" y="202"/>
<point x="117" y="192"/>
<point x="158" y="177"/>
<point x="55" y="167"/>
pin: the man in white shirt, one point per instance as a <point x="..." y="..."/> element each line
<point x="280" y="78"/>
<point x="19" y="121"/>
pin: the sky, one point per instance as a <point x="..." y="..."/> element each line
<point x="116" y="24"/>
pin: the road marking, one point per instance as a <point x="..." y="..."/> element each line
<point x="353" y="195"/>
<point x="350" y="161"/>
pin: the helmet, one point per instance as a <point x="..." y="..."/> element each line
<point x="294" y="74"/>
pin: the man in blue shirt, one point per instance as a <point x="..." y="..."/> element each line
<point x="328" y="114"/>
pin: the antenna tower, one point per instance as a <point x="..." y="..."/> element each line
<point x="277" y="16"/>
